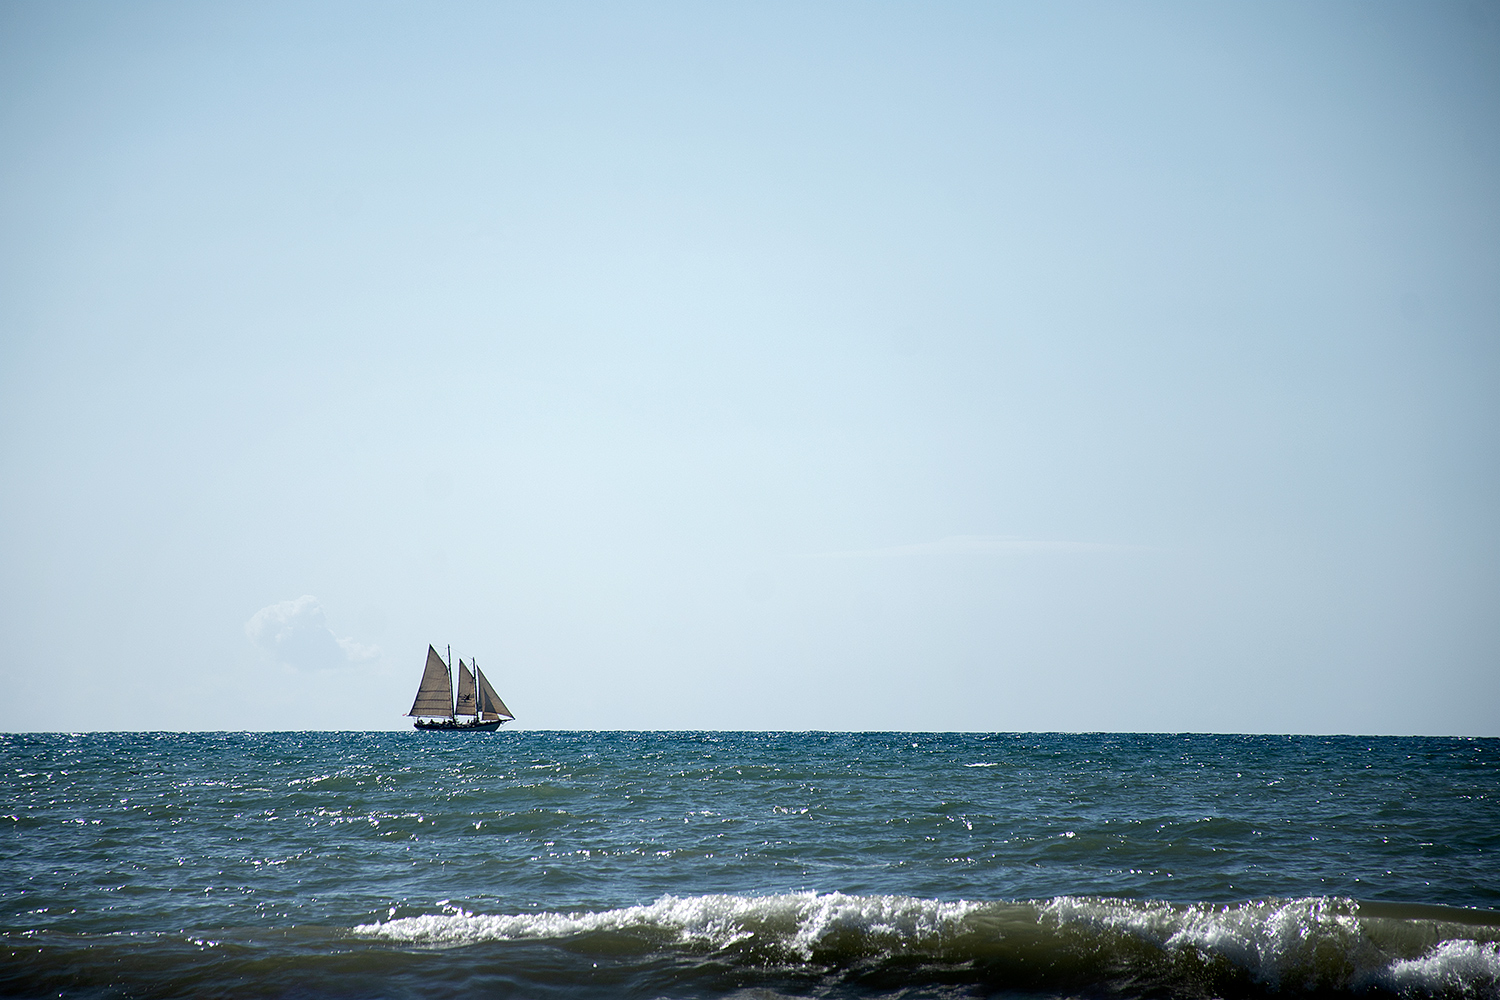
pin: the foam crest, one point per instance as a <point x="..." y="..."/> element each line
<point x="1313" y="944"/>
<point x="1270" y="939"/>
<point x="1464" y="967"/>
<point x="797" y="924"/>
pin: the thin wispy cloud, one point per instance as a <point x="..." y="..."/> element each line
<point x="296" y="633"/>
<point x="977" y="545"/>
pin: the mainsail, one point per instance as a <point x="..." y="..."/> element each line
<point x="433" y="697"/>
<point x="490" y="705"/>
<point x="465" y="704"/>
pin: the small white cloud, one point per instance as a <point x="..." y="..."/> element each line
<point x="297" y="634"/>
<point x="979" y="545"/>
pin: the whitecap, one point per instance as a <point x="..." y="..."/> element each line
<point x="1464" y="967"/>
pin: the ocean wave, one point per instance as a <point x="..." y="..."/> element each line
<point x="1305" y="944"/>
<point x="1463" y="967"/>
<point x="1284" y="946"/>
<point x="797" y="924"/>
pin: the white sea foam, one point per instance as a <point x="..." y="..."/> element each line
<point x="1289" y="945"/>
<point x="795" y="923"/>
<point x="1464" y="967"/>
<point x="1272" y="940"/>
<point x="1314" y="943"/>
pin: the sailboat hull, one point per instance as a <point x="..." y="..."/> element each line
<point x="449" y="726"/>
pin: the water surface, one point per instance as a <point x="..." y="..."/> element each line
<point x="748" y="864"/>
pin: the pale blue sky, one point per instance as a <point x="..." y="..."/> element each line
<point x="931" y="366"/>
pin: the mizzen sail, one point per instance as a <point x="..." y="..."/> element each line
<point x="490" y="705"/>
<point x="435" y="694"/>
<point x="466" y="703"/>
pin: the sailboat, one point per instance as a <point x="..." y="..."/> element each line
<point x="436" y="709"/>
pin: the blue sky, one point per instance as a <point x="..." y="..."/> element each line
<point x="841" y="366"/>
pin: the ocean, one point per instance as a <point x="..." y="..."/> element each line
<point x="749" y="865"/>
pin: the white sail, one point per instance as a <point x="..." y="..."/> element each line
<point x="435" y="696"/>
<point x="490" y="705"/>
<point x="466" y="703"/>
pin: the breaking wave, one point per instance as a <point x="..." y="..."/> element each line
<point x="1321" y="945"/>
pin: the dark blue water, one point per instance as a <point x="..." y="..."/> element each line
<point x="741" y="864"/>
